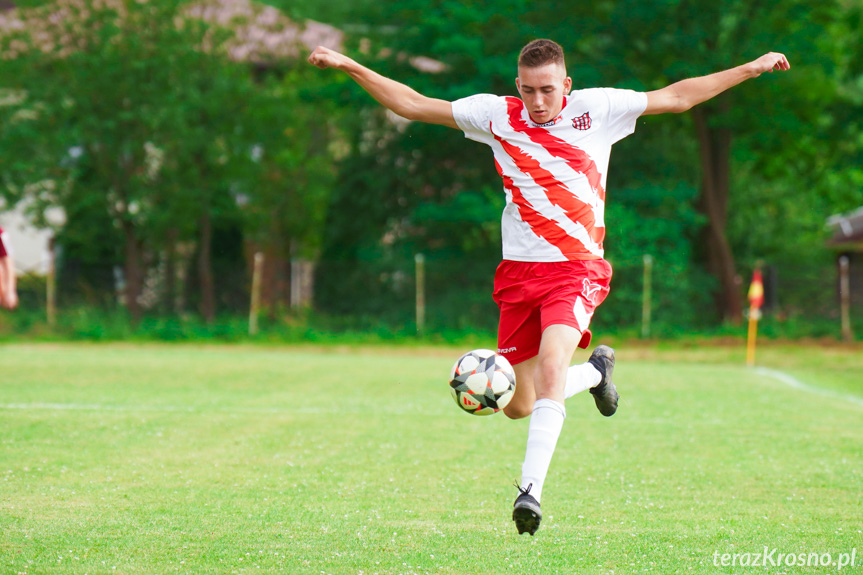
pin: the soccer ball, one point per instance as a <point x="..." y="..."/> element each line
<point x="482" y="382"/>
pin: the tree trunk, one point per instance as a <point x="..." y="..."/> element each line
<point x="715" y="150"/>
<point x="132" y="271"/>
<point x="275" y="277"/>
<point x="169" y="305"/>
<point x="205" y="270"/>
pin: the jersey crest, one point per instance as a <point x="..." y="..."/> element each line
<point x="582" y="122"/>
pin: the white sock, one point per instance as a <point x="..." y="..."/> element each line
<point x="546" y="421"/>
<point x="581" y="377"/>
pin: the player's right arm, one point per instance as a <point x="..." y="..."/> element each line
<point x="401" y="99"/>
<point x="8" y="291"/>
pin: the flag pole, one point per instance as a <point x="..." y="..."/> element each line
<point x="753" y="334"/>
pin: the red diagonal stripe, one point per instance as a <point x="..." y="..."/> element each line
<point x="557" y="193"/>
<point x="577" y="159"/>
<point x="545" y="228"/>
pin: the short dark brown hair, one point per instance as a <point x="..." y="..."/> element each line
<point x="541" y="52"/>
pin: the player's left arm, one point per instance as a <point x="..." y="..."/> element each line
<point x="683" y="95"/>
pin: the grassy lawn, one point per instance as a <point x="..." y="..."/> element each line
<point x="219" y="459"/>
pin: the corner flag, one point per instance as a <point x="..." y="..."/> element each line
<point x="756" y="291"/>
<point x="756" y="300"/>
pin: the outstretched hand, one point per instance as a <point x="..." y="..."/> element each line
<point x="770" y="62"/>
<point x="325" y="58"/>
<point x="10" y="301"/>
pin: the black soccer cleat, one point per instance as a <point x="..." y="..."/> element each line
<point x="605" y="394"/>
<point x="525" y="512"/>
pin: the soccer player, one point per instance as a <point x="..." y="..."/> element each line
<point x="8" y="289"/>
<point x="551" y="148"/>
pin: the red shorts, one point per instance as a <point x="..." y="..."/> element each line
<point x="534" y="295"/>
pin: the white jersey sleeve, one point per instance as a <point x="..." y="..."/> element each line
<point x="624" y="108"/>
<point x="473" y="115"/>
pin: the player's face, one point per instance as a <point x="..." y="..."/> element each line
<point x="542" y="89"/>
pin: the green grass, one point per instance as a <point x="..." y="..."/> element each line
<point x="218" y="459"/>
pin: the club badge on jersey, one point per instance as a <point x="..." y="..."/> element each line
<point x="582" y="122"/>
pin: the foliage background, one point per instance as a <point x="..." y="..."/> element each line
<point x="175" y="164"/>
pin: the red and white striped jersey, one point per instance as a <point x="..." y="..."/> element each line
<point x="553" y="174"/>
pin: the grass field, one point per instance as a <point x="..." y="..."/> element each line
<point x="162" y="459"/>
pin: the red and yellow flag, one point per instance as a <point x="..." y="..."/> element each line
<point x="756" y="291"/>
<point x="756" y="300"/>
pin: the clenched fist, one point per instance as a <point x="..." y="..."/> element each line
<point x="325" y="58"/>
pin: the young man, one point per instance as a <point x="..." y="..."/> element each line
<point x="8" y="289"/>
<point x="551" y="149"/>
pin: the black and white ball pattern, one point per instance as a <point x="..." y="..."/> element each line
<point x="482" y="382"/>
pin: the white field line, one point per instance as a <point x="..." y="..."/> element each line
<point x="147" y="408"/>
<point x="782" y="377"/>
<point x="797" y="384"/>
<point x="90" y="407"/>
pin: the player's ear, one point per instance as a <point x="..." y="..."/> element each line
<point x="518" y="84"/>
<point x="567" y="85"/>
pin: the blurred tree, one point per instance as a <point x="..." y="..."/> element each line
<point x="296" y="139"/>
<point x="137" y="111"/>
<point x="125" y="94"/>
